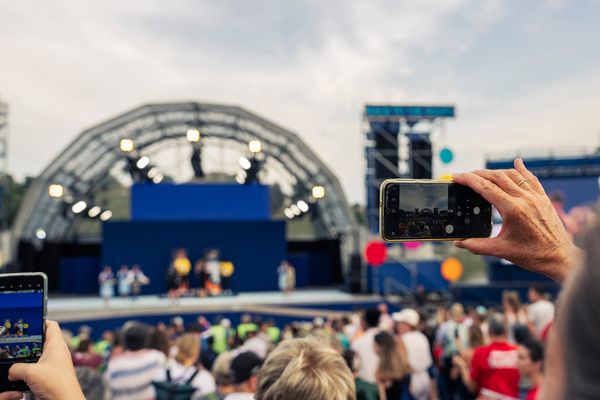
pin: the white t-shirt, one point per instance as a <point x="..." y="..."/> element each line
<point x="364" y="346"/>
<point x="541" y="313"/>
<point x="258" y="345"/>
<point x="130" y="374"/>
<point x="239" y="396"/>
<point x="419" y="359"/>
<point x="203" y="382"/>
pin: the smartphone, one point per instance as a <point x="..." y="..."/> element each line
<point x="423" y="210"/>
<point x="23" y="299"/>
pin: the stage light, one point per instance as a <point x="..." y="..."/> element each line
<point x="126" y="145"/>
<point x="302" y="205"/>
<point x="255" y="146"/>
<point x="289" y="213"/>
<point x="318" y="192"/>
<point x="152" y="172"/>
<point x="240" y="179"/>
<point x="106" y="215"/>
<point x="245" y="163"/>
<point x="143" y="162"/>
<point x="94" y="212"/>
<point x="193" y="135"/>
<point x="295" y="209"/>
<point x="79" y="207"/>
<point x="40" y="234"/>
<point x="56" y="191"/>
<point x="158" y="178"/>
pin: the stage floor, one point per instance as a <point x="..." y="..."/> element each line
<point x="315" y="303"/>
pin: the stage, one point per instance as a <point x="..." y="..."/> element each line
<point x="301" y="305"/>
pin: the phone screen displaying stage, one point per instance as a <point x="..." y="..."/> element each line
<point x="422" y="210"/>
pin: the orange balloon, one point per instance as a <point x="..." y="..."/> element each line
<point x="451" y="269"/>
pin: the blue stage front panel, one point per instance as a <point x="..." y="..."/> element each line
<point x="200" y="202"/>
<point x="256" y="248"/>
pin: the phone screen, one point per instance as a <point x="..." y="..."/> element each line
<point x="22" y="319"/>
<point x="421" y="210"/>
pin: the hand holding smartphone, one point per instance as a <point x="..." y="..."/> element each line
<point x="426" y="210"/>
<point x="23" y="300"/>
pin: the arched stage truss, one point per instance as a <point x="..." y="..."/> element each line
<point x="95" y="152"/>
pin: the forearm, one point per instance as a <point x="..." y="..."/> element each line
<point x="470" y="384"/>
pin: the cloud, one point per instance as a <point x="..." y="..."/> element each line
<point x="308" y="65"/>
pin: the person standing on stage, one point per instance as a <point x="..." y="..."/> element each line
<point x="200" y="270"/>
<point x="139" y="279"/>
<point x="124" y="279"/>
<point x="183" y="267"/>
<point x="213" y="269"/>
<point x="106" y="280"/>
<point x="287" y="277"/>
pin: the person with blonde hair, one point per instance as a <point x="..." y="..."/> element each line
<point x="514" y="312"/>
<point x="393" y="371"/>
<point x="181" y="369"/>
<point x="302" y="369"/>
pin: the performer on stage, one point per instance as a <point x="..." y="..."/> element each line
<point x="183" y="267"/>
<point x="106" y="279"/>
<point x="139" y="279"/>
<point x="200" y="270"/>
<point x="287" y="277"/>
<point x="124" y="279"/>
<point x="213" y="270"/>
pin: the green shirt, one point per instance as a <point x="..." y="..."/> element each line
<point x="243" y="329"/>
<point x="366" y="390"/>
<point x="219" y="335"/>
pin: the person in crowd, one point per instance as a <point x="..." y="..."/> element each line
<point x="53" y="376"/>
<point x="385" y="319"/>
<point x="182" y="367"/>
<point x="106" y="280"/>
<point x="450" y="333"/>
<point x="246" y="325"/>
<point x="83" y="333"/>
<point x="244" y="371"/>
<point x="302" y="369"/>
<point x="540" y="310"/>
<point x="393" y="371"/>
<point x="531" y="360"/>
<point x="86" y="356"/>
<point x="104" y="345"/>
<point x="183" y="266"/>
<point x="418" y="353"/>
<point x="559" y="202"/>
<point x="364" y="390"/>
<point x="256" y="342"/>
<point x="124" y="281"/>
<point x="514" y="312"/>
<point x="337" y="329"/>
<point x="138" y="280"/>
<point x="363" y="346"/>
<point x="92" y="384"/>
<point x="158" y="340"/>
<point x="221" y="371"/>
<point x="130" y="374"/>
<point x="222" y="335"/>
<point x="493" y="372"/>
<point x="273" y="332"/>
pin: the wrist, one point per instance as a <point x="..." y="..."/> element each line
<point x="567" y="258"/>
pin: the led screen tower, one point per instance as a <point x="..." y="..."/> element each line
<point x="386" y="124"/>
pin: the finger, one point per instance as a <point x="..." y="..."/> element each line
<point x="501" y="179"/>
<point x="11" y="396"/>
<point x="54" y="335"/>
<point x="488" y="190"/>
<point x="19" y="372"/>
<point x="532" y="180"/>
<point x="481" y="246"/>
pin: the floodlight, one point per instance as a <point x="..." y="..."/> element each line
<point x="158" y="178"/>
<point x="152" y="172"/>
<point x="94" y="212"/>
<point x="106" y="215"/>
<point x="56" y="190"/>
<point x="255" y="146"/>
<point x="302" y="205"/>
<point x="126" y="145"/>
<point x="193" y="135"/>
<point x="289" y="213"/>
<point x="318" y="192"/>
<point x="143" y="162"/>
<point x="295" y="209"/>
<point x="40" y="234"/>
<point x="79" y="207"/>
<point x="245" y="163"/>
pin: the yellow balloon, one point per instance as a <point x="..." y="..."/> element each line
<point x="451" y="269"/>
<point x="227" y="269"/>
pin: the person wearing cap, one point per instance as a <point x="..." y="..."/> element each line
<point x="244" y="371"/>
<point x="418" y="351"/>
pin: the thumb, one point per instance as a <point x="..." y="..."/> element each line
<point x="11" y="396"/>
<point x="19" y="372"/>
<point x="480" y="246"/>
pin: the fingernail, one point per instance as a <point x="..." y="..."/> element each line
<point x="459" y="245"/>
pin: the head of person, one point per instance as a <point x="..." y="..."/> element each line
<point x="497" y="326"/>
<point x="457" y="312"/>
<point x="371" y="318"/>
<point x="352" y="361"/>
<point x="187" y="349"/>
<point x="531" y="358"/>
<point x="383" y="308"/>
<point x="221" y="371"/>
<point x="85" y="346"/>
<point x="124" y="267"/>
<point x="246" y="319"/>
<point x="393" y="361"/>
<point x="302" y="369"/>
<point x="406" y="320"/>
<point x="244" y="372"/>
<point x="136" y="268"/>
<point x="107" y="268"/>
<point x="134" y="335"/>
<point x="536" y="293"/>
<point x="475" y="335"/>
<point x="511" y="301"/>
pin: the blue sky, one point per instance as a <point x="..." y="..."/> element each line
<point x="524" y="75"/>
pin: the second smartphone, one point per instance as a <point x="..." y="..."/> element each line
<point x="422" y="210"/>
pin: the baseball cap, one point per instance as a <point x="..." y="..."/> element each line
<point x="408" y="316"/>
<point x="245" y="365"/>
